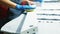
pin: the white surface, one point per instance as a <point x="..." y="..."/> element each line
<point x="13" y="24"/>
<point x="44" y="26"/>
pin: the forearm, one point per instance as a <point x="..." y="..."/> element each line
<point x="8" y="3"/>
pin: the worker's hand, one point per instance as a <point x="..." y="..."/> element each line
<point x="38" y="1"/>
<point x="22" y="7"/>
<point x="28" y="7"/>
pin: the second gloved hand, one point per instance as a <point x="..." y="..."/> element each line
<point x="21" y="7"/>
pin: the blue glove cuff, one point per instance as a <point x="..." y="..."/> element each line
<point x="38" y="1"/>
<point x="19" y="7"/>
<point x="28" y="7"/>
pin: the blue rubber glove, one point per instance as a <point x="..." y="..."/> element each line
<point x="22" y="7"/>
<point x="28" y="7"/>
<point x="38" y="1"/>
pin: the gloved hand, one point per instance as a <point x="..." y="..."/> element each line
<point x="38" y="1"/>
<point x="22" y="7"/>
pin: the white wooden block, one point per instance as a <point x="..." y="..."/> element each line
<point x="29" y="24"/>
